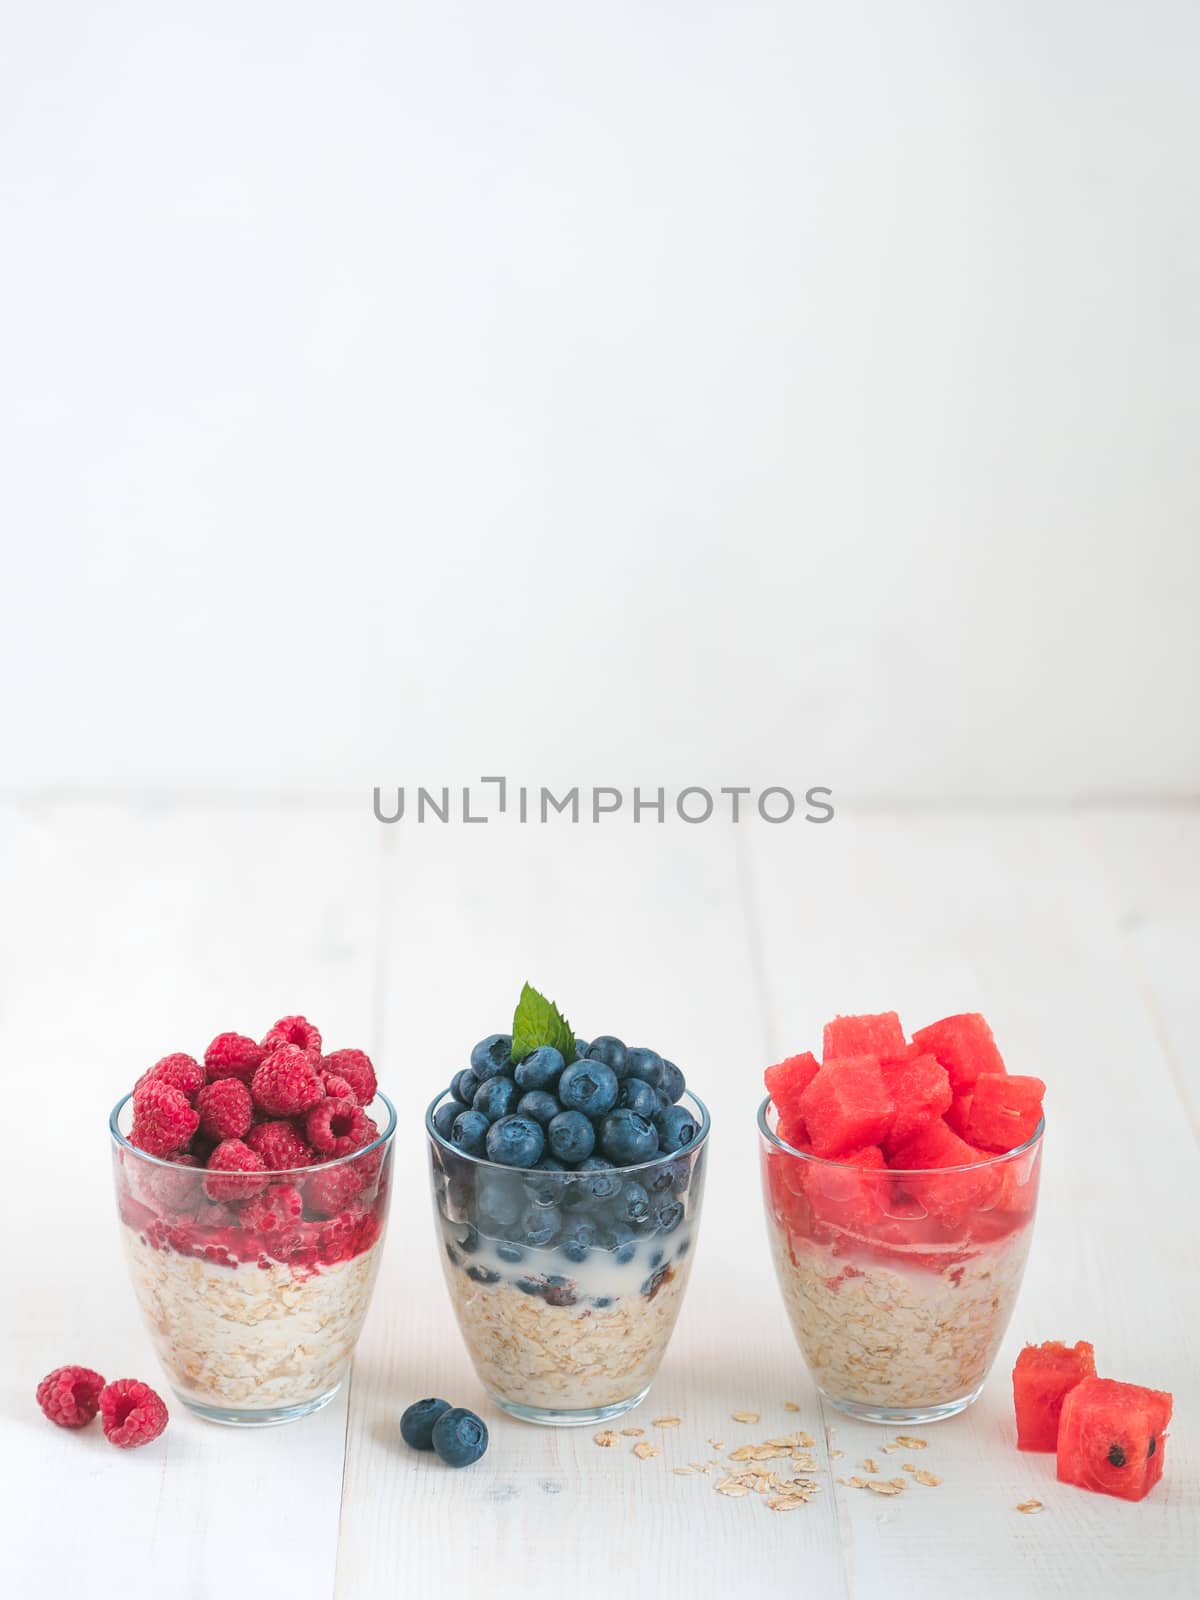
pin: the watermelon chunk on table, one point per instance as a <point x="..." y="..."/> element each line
<point x="1005" y="1110"/>
<point x="964" y="1045"/>
<point x="877" y="1034"/>
<point x="921" y="1092"/>
<point x="1042" y="1378"/>
<point x="1111" y="1437"/>
<point x="846" y="1106"/>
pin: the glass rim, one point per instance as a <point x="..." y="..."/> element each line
<point x="275" y="1174"/>
<point x="640" y="1166"/>
<point x="899" y="1172"/>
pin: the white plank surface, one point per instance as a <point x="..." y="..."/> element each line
<point x="129" y="932"/>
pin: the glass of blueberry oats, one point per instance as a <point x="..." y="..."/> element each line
<point x="568" y="1179"/>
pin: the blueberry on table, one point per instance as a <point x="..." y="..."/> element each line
<point x="539" y="1105"/>
<point x="492" y="1055"/>
<point x="627" y="1139"/>
<point x="588" y="1086"/>
<point x="633" y="1204"/>
<point x="463" y="1085"/>
<point x="635" y="1095"/>
<point x="602" y="1182"/>
<point x="541" y="1225"/>
<point x="459" y="1437"/>
<point x="571" y="1137"/>
<point x="643" y="1064"/>
<point x="515" y="1141"/>
<point x="417" y="1423"/>
<point x="677" y="1127"/>
<point x="469" y="1133"/>
<point x="496" y="1098"/>
<point x="671" y="1081"/>
<point x="443" y="1117"/>
<point x="609" y="1050"/>
<point x="540" y="1068"/>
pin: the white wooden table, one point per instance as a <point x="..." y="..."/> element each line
<point x="129" y="931"/>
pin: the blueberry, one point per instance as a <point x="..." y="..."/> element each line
<point x="452" y="1254"/>
<point x="602" y="1182"/>
<point x="602" y="1302"/>
<point x="558" y="1291"/>
<point x="463" y="1085"/>
<point x="578" y="1239"/>
<point x="468" y="1239"/>
<point x="609" y="1050"/>
<point x="590" y="1087"/>
<point x="671" y="1081"/>
<point x="470" y="1132"/>
<point x="684" y="1246"/>
<point x="656" y="1258"/>
<point x="483" y="1275"/>
<point x="539" y="1105"/>
<point x="529" y="1285"/>
<point x="495" y="1098"/>
<point x="668" y="1214"/>
<point x="459" y="1437"/>
<point x="662" y="1178"/>
<point x="634" y="1095"/>
<point x="416" y="1425"/>
<point x="575" y="1196"/>
<point x="515" y="1141"/>
<point x="492" y="1055"/>
<point x="540" y="1068"/>
<point x="655" y="1282"/>
<point x="621" y="1239"/>
<point x="581" y="1049"/>
<point x="443" y="1117"/>
<point x="627" y="1139"/>
<point x="500" y="1201"/>
<point x="644" y="1065"/>
<point x="540" y="1225"/>
<point x="633" y="1204"/>
<point x="571" y="1137"/>
<point x="546" y="1190"/>
<point x="508" y="1251"/>
<point x="677" y="1127"/>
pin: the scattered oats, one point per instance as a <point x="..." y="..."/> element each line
<point x="683" y="1472"/>
<point x="929" y="1479"/>
<point x="869" y="1465"/>
<point x="888" y="1448"/>
<point x="908" y="1442"/>
<point x="807" y="1440"/>
<point x="836" y="1455"/>
<point x="787" y="1502"/>
<point x="790" y="1405"/>
<point x="644" y="1450"/>
<point x="607" y="1439"/>
<point x="733" y="1487"/>
<point x="632" y="1433"/>
<point x="717" y="1444"/>
<point x="1031" y="1507"/>
<point x="856" y="1483"/>
<point x="744" y="1416"/>
<point x="667" y="1422"/>
<point x="886" y="1485"/>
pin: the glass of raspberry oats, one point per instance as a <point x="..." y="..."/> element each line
<point x="567" y="1182"/>
<point x="252" y="1189"/>
<point x="900" y="1180"/>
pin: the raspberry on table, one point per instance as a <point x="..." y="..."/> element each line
<point x="131" y="1413"/>
<point x="355" y="1067"/>
<point x="280" y="1208"/>
<point x="163" y="1118"/>
<point x="233" y="1055"/>
<point x="70" y="1396"/>
<point x="298" y="1031"/>
<point x="287" y="1082"/>
<point x="226" y="1109"/>
<point x="337" y="1127"/>
<point x="235" y="1172"/>
<point x="181" y="1071"/>
<point x="280" y="1145"/>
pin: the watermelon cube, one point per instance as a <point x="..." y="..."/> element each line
<point x="849" y="1193"/>
<point x="1042" y="1377"/>
<point x="964" y="1045"/>
<point x="1111" y="1437"/>
<point x="787" y="1080"/>
<point x="846" y="1106"/>
<point x="951" y="1194"/>
<point x="921" y="1090"/>
<point x="1005" y="1110"/>
<point x="875" y="1035"/>
<point x="792" y="1131"/>
<point x="960" y="1110"/>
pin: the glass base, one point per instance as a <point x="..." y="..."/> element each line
<point x="568" y="1419"/>
<point x="891" y="1415"/>
<point x="268" y="1417"/>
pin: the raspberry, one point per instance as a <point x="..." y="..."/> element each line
<point x="70" y="1396"/>
<point x="232" y="1156"/>
<point x="287" y="1082"/>
<point x="232" y="1055"/>
<point x="131" y="1413"/>
<point x="332" y="1190"/>
<point x="336" y="1127"/>
<point x="163" y="1120"/>
<point x="280" y="1208"/>
<point x="173" y="1191"/>
<point x="182" y="1072"/>
<point x="294" y="1030"/>
<point x="355" y="1066"/>
<point x="280" y="1146"/>
<point x="337" y="1088"/>
<point x="226" y="1109"/>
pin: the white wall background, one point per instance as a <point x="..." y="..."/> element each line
<point x="621" y="392"/>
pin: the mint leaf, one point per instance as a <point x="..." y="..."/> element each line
<point x="538" y="1021"/>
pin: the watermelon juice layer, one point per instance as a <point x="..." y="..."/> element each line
<point x="899" y="1285"/>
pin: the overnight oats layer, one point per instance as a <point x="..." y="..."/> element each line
<point x="899" y="1284"/>
<point x="254" y="1287"/>
<point x="567" y="1285"/>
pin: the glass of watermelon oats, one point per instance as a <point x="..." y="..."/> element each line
<point x="900" y="1180"/>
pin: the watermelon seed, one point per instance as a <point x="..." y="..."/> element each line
<point x="1151" y="1447"/>
<point x="1116" y="1455"/>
